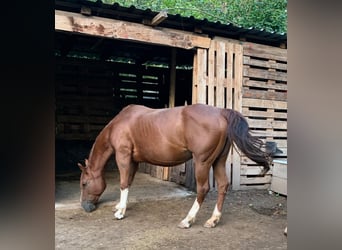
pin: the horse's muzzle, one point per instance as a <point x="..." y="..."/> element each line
<point x="88" y="206"/>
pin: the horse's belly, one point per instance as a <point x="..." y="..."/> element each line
<point x="163" y="158"/>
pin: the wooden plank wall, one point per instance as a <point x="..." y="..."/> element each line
<point x="89" y="93"/>
<point x="264" y="104"/>
<point x="251" y="79"/>
<point x="84" y="99"/>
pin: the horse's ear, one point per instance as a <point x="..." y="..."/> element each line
<point x="83" y="168"/>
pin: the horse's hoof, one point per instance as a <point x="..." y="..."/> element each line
<point x="119" y="215"/>
<point x="210" y="224"/>
<point x="184" y="225"/>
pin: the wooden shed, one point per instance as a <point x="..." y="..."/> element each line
<point x="109" y="56"/>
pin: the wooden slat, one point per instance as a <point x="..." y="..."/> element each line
<point x="256" y="180"/>
<point x="265" y="74"/>
<point x="202" y="75"/>
<point x="259" y="186"/>
<point x="266" y="124"/>
<point x="264" y="51"/>
<point x="264" y="94"/>
<point x="264" y="84"/>
<point x="246" y="112"/>
<point x="251" y="170"/>
<point x="248" y="102"/>
<point x="264" y="64"/>
<point x="116" y="29"/>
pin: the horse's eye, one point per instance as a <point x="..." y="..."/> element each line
<point x="84" y="184"/>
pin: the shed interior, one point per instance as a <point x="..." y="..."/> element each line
<point x="96" y="77"/>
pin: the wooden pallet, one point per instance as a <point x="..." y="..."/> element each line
<point x="264" y="104"/>
<point x="89" y="93"/>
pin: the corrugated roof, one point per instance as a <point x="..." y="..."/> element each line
<point x="132" y="14"/>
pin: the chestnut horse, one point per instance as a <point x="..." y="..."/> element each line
<point x="168" y="137"/>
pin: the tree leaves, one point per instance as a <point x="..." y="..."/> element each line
<point x="269" y="15"/>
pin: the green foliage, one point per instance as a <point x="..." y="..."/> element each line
<point x="270" y="15"/>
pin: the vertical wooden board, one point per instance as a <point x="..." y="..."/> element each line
<point x="229" y="72"/>
<point x="237" y="81"/>
<point x="190" y="181"/>
<point x="195" y="80"/>
<point x="202" y="76"/>
<point x="237" y="105"/>
<point x="279" y="185"/>
<point x="172" y="78"/>
<point x="211" y="73"/>
<point x="159" y="172"/>
<point x="165" y="173"/>
<point x="220" y="74"/>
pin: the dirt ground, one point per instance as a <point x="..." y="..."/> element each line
<point x="253" y="219"/>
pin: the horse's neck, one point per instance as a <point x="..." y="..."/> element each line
<point x="99" y="154"/>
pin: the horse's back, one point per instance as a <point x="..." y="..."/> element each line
<point x="170" y="135"/>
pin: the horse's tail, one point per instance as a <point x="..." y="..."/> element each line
<point x="238" y="132"/>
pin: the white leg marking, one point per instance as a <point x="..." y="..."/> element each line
<point x="191" y="217"/>
<point x="121" y="207"/>
<point x="215" y="218"/>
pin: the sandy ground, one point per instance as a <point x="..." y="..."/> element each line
<point x="253" y="219"/>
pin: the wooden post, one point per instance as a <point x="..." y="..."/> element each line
<point x="172" y="78"/>
<point x="172" y="96"/>
<point x="237" y="105"/>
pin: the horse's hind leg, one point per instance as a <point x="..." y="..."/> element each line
<point x="222" y="187"/>
<point x="202" y="174"/>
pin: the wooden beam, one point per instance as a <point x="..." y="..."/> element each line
<point x="116" y="29"/>
<point x="161" y="16"/>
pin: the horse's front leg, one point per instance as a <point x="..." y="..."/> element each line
<point x="126" y="178"/>
<point x="122" y="205"/>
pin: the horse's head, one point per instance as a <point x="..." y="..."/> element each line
<point x="92" y="186"/>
